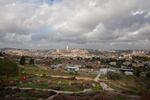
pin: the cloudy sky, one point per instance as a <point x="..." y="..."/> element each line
<point x="95" y="24"/>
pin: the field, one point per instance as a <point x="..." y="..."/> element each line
<point x="37" y="77"/>
<point x="41" y="78"/>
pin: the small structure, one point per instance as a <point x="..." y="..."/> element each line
<point x="104" y="71"/>
<point x="1" y="58"/>
<point x="126" y="71"/>
<point x="113" y="63"/>
<point x="56" y="66"/>
<point x="72" y="68"/>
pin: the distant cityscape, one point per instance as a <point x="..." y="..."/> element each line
<point x="75" y="52"/>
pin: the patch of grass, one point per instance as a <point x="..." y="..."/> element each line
<point x="34" y="70"/>
<point x="118" y="97"/>
<point x="26" y="96"/>
<point x="71" y="88"/>
<point x="34" y="85"/>
<point x="115" y="86"/>
<point x="97" y="88"/>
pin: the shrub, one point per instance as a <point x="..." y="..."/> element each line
<point x="137" y="72"/>
<point x="44" y="75"/>
<point x="113" y="75"/>
<point x="88" y="66"/>
<point x="31" y="61"/>
<point x="22" y="60"/>
<point x="8" y="68"/>
<point x="1" y="54"/>
<point x="97" y="88"/>
<point x="73" y="73"/>
<point x="148" y="75"/>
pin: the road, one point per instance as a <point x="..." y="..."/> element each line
<point x="102" y="84"/>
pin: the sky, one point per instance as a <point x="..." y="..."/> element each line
<point x="93" y="24"/>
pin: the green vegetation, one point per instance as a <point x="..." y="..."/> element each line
<point x="22" y="60"/>
<point x="97" y="88"/>
<point x="41" y="78"/>
<point x="73" y="73"/>
<point x="33" y="95"/>
<point x="31" y="62"/>
<point x="1" y="54"/>
<point x="113" y="76"/>
<point x="119" y="97"/>
<point x="34" y="70"/>
<point x="40" y="85"/>
<point x="137" y="71"/>
<point x="148" y="75"/>
<point x="65" y="86"/>
<point x="27" y="96"/>
<point x="88" y="66"/>
<point x="8" y="68"/>
<point x="142" y="58"/>
<point x="129" y="84"/>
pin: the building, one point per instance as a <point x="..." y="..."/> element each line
<point x="104" y="71"/>
<point x="1" y="58"/>
<point x="72" y="68"/>
<point x="56" y="66"/>
<point x="126" y="71"/>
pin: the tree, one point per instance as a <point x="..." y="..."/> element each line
<point x="137" y="71"/>
<point x="22" y="60"/>
<point x="88" y="66"/>
<point x="31" y="62"/>
<point x="1" y="53"/>
<point x="148" y="75"/>
<point x="8" y="68"/>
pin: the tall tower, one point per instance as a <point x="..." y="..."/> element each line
<point x="67" y="48"/>
<point x="57" y="50"/>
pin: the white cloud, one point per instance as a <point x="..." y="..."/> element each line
<point x="78" y="22"/>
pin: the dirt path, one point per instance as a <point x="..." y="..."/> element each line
<point x="76" y="77"/>
<point x="96" y="79"/>
<point x="107" y="88"/>
<point x="56" y="91"/>
<point x="102" y="84"/>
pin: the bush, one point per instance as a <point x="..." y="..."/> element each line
<point x="73" y="73"/>
<point x="44" y="75"/>
<point x="148" y="75"/>
<point x="22" y="60"/>
<point x="8" y="68"/>
<point x="1" y="54"/>
<point x="137" y="72"/>
<point x="113" y="75"/>
<point x="88" y="66"/>
<point x="97" y="88"/>
<point x="31" y="61"/>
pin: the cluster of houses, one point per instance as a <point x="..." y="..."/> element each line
<point x="78" y="68"/>
<point x="104" y="71"/>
